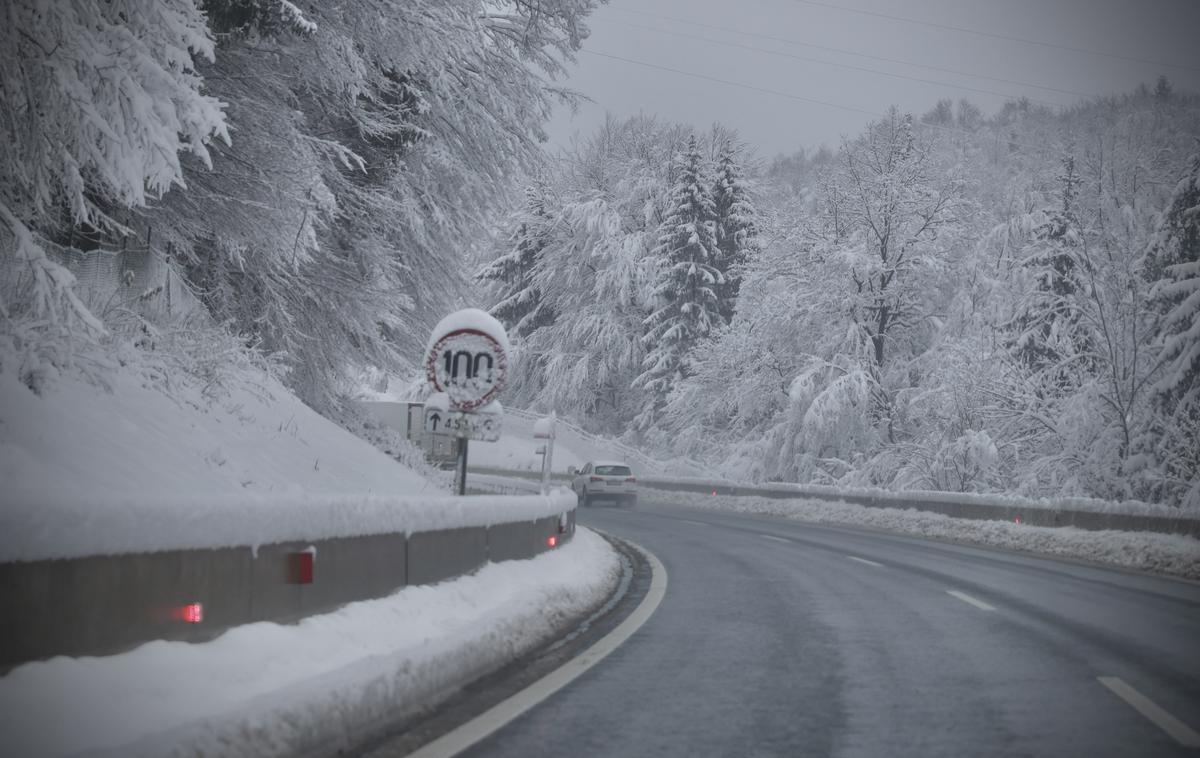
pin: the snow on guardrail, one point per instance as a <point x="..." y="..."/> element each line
<point x="998" y="500"/>
<point x="45" y="527"/>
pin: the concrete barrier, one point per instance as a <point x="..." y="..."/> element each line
<point x="108" y="604"/>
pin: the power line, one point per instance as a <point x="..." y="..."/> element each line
<point x="868" y="56"/>
<point x="787" y="95"/>
<point x="852" y="67"/>
<point x="996" y="35"/>
<point x="742" y="85"/>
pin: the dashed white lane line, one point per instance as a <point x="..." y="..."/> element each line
<point x="864" y="560"/>
<point x="773" y="538"/>
<point x="1181" y="732"/>
<point x="968" y="599"/>
<point x="697" y="523"/>
<point x="488" y="722"/>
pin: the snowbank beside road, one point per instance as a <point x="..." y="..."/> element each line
<point x="1147" y="551"/>
<point x="270" y="689"/>
<point x="151" y="434"/>
<point x="997" y="500"/>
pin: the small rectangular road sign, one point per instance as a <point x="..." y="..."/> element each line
<point x="474" y="426"/>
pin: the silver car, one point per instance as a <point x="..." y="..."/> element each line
<point x="605" y="480"/>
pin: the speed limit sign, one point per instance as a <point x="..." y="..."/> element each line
<point x="467" y="358"/>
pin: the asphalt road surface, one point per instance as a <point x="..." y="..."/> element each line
<point x="777" y="638"/>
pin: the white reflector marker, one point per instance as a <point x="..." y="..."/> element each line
<point x="968" y="599"/>
<point x="1181" y="732"/>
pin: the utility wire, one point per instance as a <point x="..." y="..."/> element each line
<point x="852" y="67"/>
<point x="790" y="96"/>
<point x="996" y="35"/>
<point x="843" y="51"/>
<point x="743" y="85"/>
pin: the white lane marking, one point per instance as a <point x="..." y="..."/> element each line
<point x="454" y="742"/>
<point x="968" y="599"/>
<point x="1182" y="733"/>
<point x="864" y="560"/>
<point x="697" y="523"/>
<point x="773" y="538"/>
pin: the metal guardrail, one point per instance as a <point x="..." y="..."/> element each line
<point x="1030" y="514"/>
<point x="103" y="605"/>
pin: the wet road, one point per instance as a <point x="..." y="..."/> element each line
<point x="781" y="638"/>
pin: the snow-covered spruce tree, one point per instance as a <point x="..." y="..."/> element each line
<point x="520" y="306"/>
<point x="97" y="102"/>
<point x="735" y="226"/>
<point x="1173" y="263"/>
<point x="1050" y="338"/>
<point x="687" y="304"/>
<point x="596" y="275"/>
<point x="1047" y="362"/>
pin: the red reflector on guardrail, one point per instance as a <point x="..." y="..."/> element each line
<point x="192" y="613"/>
<point x="300" y="568"/>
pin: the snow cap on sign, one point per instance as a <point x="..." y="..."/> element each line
<point x="470" y="318"/>
<point x="438" y="401"/>
<point x="543" y="428"/>
<point x="494" y="408"/>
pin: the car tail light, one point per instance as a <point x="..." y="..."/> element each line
<point x="552" y="541"/>
<point x="595" y="479"/>
<point x="631" y="479"/>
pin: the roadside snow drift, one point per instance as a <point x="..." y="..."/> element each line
<point x="1147" y="551"/>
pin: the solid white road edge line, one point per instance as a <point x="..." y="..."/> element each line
<point x="773" y="538"/>
<point x="697" y="523"/>
<point x="1182" y="733"/>
<point x="968" y="599"/>
<point x="864" y="560"/>
<point x="454" y="742"/>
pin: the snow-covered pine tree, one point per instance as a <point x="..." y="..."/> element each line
<point x="520" y="306"/>
<point x="736" y="230"/>
<point x="1173" y="262"/>
<point x="688" y="306"/>
<point x="1051" y="341"/>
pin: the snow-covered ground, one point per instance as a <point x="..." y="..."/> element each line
<point x="155" y="434"/>
<point x="517" y="449"/>
<point x="146" y="454"/>
<point x="270" y="689"/>
<point x="1148" y="551"/>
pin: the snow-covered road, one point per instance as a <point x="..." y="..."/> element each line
<point x="783" y="638"/>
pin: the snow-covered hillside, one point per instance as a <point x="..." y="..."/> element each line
<point x="176" y="436"/>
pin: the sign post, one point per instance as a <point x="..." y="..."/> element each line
<point x="543" y="429"/>
<point x="467" y="365"/>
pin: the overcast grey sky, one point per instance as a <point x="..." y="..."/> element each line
<point x="831" y="64"/>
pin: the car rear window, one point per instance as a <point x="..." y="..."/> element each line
<point x="613" y="470"/>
